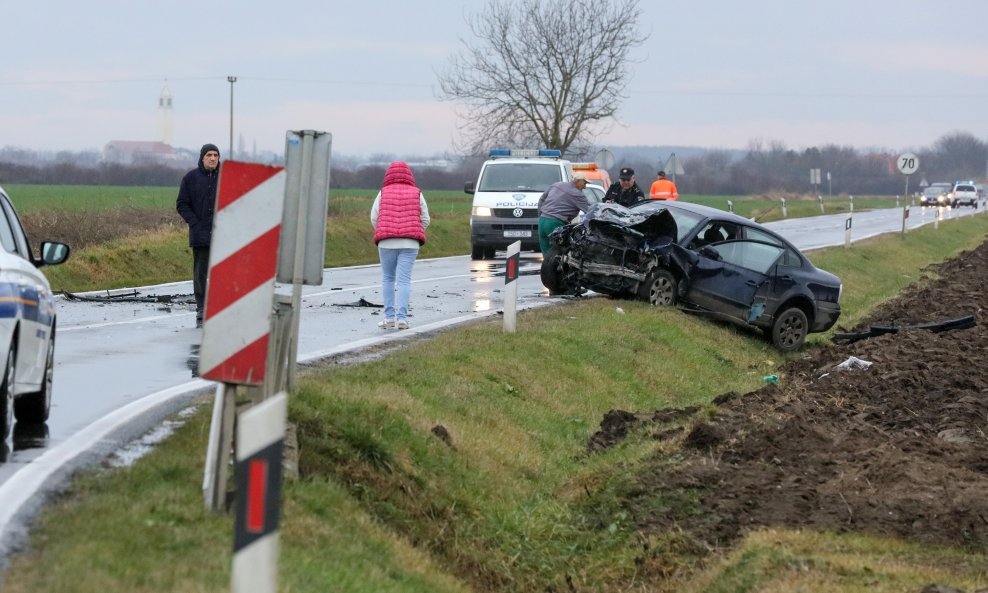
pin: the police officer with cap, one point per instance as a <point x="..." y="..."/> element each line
<point x="625" y="191"/>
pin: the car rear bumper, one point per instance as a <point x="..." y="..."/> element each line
<point x="826" y="316"/>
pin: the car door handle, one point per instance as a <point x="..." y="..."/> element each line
<point x="786" y="277"/>
<point x="754" y="284"/>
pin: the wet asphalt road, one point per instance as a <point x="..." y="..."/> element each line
<point x="122" y="366"/>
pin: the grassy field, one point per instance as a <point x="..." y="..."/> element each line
<point x="512" y="501"/>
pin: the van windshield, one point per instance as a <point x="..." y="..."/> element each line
<point x="527" y="177"/>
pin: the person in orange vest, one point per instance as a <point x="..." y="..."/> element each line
<point x="663" y="189"/>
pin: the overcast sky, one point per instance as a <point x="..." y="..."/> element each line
<point x="717" y="73"/>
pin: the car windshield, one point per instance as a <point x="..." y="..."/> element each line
<point x="528" y="177"/>
<point x="593" y="193"/>
<point x="686" y="221"/>
<point x="934" y="191"/>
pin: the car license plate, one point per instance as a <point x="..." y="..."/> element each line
<point x="517" y="234"/>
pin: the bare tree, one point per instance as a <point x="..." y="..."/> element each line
<point x="550" y="72"/>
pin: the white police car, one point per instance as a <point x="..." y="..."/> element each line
<point x="27" y="322"/>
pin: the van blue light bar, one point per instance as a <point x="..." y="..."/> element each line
<point x="525" y="152"/>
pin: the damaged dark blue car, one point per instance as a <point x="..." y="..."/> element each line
<point x="702" y="259"/>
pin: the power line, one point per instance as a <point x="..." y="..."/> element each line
<point x="810" y="95"/>
<point x="216" y="78"/>
<point x="103" y="81"/>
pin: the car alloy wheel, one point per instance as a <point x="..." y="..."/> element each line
<point x="790" y="329"/>
<point x="659" y="288"/>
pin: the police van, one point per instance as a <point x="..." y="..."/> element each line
<point x="506" y="198"/>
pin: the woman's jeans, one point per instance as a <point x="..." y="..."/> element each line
<point x="396" y="281"/>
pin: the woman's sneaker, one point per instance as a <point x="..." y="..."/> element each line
<point x="387" y="324"/>
<point x="402" y="324"/>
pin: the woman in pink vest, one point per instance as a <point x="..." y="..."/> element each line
<point x="400" y="217"/>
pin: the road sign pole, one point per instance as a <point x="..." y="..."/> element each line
<point x="260" y="446"/>
<point x="303" y="197"/>
<point x="219" y="446"/>
<point x="302" y="251"/>
<point x="511" y="263"/>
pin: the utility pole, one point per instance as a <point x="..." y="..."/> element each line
<point x="231" y="80"/>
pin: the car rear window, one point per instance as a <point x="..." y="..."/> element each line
<point x="965" y="188"/>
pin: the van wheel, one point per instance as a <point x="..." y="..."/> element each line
<point x="477" y="252"/>
<point x="490" y="252"/>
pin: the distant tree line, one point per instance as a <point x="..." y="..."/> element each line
<point x="761" y="169"/>
<point x="774" y="168"/>
<point x="69" y="173"/>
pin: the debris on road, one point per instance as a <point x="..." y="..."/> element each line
<point x="878" y="330"/>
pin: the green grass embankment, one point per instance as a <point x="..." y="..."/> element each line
<point x="513" y="502"/>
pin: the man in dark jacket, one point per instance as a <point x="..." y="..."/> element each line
<point x="625" y="191"/>
<point x="196" y="203"/>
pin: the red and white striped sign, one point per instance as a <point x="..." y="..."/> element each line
<point x="243" y="258"/>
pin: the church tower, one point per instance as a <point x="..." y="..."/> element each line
<point x="165" y="121"/>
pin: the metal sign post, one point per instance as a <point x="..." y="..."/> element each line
<point x="511" y="263"/>
<point x="218" y="448"/>
<point x="673" y="168"/>
<point x="907" y="163"/>
<point x="302" y="250"/>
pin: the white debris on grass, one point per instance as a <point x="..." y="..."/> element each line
<point x="854" y="363"/>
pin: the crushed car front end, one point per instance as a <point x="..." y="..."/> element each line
<point x="611" y="251"/>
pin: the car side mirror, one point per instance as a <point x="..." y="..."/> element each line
<point x="468" y="187"/>
<point x="710" y="253"/>
<point x="53" y="253"/>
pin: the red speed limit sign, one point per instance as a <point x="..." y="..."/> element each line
<point x="908" y="163"/>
